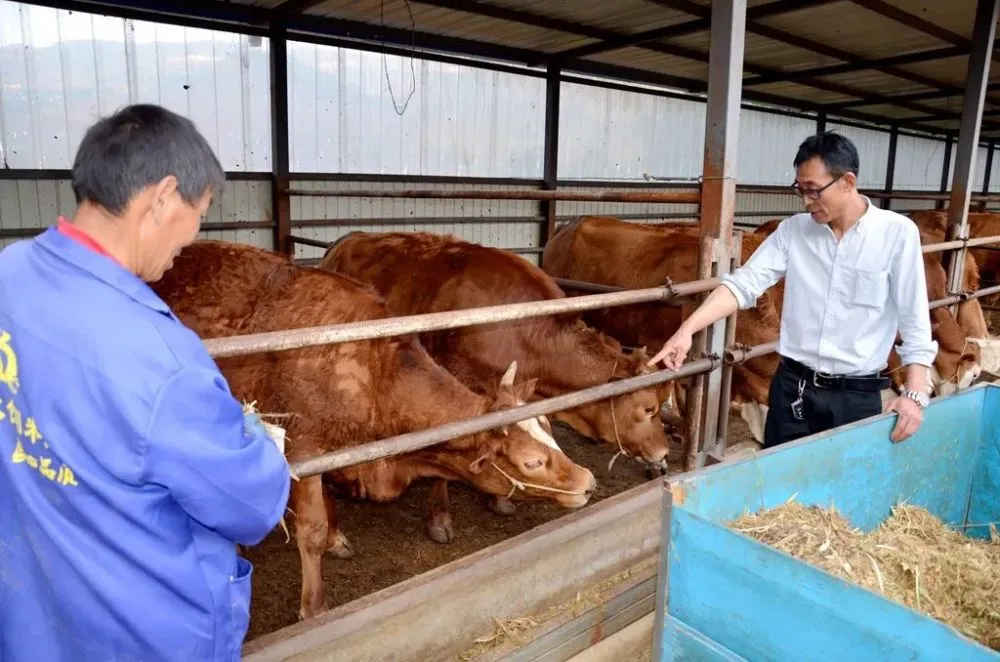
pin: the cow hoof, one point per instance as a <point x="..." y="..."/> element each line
<point x="502" y="506"/>
<point x="339" y="546"/>
<point x="440" y="529"/>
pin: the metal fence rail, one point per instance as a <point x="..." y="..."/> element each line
<point x="607" y="296"/>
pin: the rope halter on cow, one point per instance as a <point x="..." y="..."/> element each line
<point x="521" y="485"/>
<point x="614" y="424"/>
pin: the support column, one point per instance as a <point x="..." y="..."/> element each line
<point x="945" y="168"/>
<point x="553" y="85"/>
<point x="718" y="204"/>
<point x="821" y="122"/>
<point x="281" y="214"/>
<point x="890" y="168"/>
<point x="968" y="137"/>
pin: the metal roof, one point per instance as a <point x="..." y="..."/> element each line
<point x="881" y="61"/>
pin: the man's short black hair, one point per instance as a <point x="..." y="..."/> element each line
<point x="837" y="152"/>
<point x="138" y="146"/>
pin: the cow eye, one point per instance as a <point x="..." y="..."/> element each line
<point x="533" y="464"/>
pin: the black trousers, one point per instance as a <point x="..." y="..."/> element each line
<point x="823" y="403"/>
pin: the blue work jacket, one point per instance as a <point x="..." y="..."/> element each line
<point x="127" y="471"/>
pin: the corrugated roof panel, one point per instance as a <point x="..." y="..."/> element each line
<point x="951" y="71"/>
<point x="656" y="62"/>
<point x="877" y="82"/>
<point x="803" y="92"/>
<point x="624" y="16"/>
<point x="849" y="27"/>
<point x="957" y="17"/>
<point x="454" y="23"/>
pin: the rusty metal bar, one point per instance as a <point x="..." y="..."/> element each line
<point x="726" y="388"/>
<point x="744" y="354"/>
<point x="982" y="241"/>
<point x="948" y="301"/>
<point x="675" y="197"/>
<point x="976" y="78"/>
<point x="412" y="441"/>
<point x="718" y="202"/>
<point x="584" y="286"/>
<point x="941" y="247"/>
<point x="276" y="341"/>
<point x="985" y="292"/>
<point x="306" y="241"/>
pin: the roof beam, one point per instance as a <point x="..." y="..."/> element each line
<point x="681" y="29"/>
<point x="813" y="46"/>
<point x="915" y="22"/>
<point x="909" y="58"/>
<point x="919" y="96"/>
<point x="530" y="18"/>
<point x="296" y="6"/>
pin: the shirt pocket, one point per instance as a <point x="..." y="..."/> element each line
<point x="871" y="287"/>
<point x="239" y="603"/>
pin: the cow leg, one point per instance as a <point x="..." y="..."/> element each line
<point x="439" y="526"/>
<point x="501" y="505"/>
<point x="336" y="542"/>
<point x="311" y="536"/>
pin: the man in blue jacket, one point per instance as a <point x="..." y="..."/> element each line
<point x="127" y="470"/>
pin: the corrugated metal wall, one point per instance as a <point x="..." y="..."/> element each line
<point x="34" y="204"/>
<point x="60" y="70"/>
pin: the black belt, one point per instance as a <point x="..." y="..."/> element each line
<point x="872" y="382"/>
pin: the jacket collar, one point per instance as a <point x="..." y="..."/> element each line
<point x="102" y="268"/>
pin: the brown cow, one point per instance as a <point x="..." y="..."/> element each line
<point x="933" y="230"/>
<point x="343" y="394"/>
<point x="612" y="252"/>
<point x="419" y="272"/>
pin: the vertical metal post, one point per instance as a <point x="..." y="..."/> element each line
<point x="553" y="86"/>
<point x="946" y="167"/>
<point x="718" y="204"/>
<point x="280" y="203"/>
<point x="718" y="452"/>
<point x="968" y="136"/>
<point x="890" y="168"/>
<point x="821" y="122"/>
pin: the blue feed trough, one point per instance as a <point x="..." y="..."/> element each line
<point x="725" y="596"/>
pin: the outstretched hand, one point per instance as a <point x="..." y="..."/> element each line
<point x="909" y="416"/>
<point x="674" y="351"/>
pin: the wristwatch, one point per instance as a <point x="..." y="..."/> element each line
<point x="920" y="398"/>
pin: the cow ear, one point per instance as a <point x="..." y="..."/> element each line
<point x="477" y="465"/>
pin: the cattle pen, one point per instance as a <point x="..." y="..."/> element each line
<point x="522" y="116"/>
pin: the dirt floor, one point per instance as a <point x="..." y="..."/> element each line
<point x="391" y="545"/>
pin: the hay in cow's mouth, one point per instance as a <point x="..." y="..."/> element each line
<point x="912" y="558"/>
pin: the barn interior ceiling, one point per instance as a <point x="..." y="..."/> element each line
<point x="897" y="62"/>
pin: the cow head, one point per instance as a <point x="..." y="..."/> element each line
<point x="989" y="354"/>
<point x="524" y="457"/>
<point x="629" y="422"/>
<point x="957" y="364"/>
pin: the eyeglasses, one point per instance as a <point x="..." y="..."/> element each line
<point x="813" y="194"/>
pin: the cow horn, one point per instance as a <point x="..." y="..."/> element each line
<point x="508" y="377"/>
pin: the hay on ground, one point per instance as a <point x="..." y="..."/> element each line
<point x="912" y="558"/>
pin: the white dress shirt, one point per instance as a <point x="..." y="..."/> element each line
<point x="844" y="301"/>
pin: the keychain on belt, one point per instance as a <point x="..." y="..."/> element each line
<point x="797" y="405"/>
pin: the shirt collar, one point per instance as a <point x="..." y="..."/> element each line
<point x="100" y="266"/>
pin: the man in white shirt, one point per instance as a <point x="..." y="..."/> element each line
<point x="854" y="274"/>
